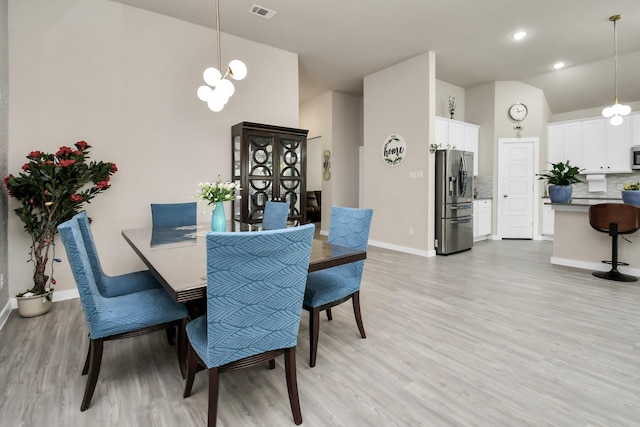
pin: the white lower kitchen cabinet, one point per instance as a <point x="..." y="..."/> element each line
<point x="481" y="219"/>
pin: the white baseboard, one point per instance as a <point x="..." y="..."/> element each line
<point x="12" y="304"/>
<point x="404" y="249"/>
<point x="597" y="266"/>
<point x="4" y="313"/>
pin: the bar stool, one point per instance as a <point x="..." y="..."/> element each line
<point x="615" y="219"/>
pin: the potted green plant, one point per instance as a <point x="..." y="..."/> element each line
<point x="51" y="189"/>
<point x="560" y="178"/>
<point x="631" y="193"/>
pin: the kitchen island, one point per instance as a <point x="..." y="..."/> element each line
<point x="576" y="244"/>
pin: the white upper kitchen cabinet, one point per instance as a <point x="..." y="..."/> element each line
<point x="564" y="143"/>
<point x="634" y="125"/>
<point x="594" y="144"/>
<point x="605" y="147"/>
<point x="459" y="135"/>
<point x="593" y="152"/>
<point x="442" y="132"/>
<point x="617" y="144"/>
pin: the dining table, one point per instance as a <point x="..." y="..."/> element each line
<point x="177" y="256"/>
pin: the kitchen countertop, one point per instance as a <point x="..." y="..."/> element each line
<point x="586" y="201"/>
<point x="582" y="203"/>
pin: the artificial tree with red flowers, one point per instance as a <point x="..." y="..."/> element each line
<point x="51" y="189"/>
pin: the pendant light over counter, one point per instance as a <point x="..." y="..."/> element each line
<point x="218" y="88"/>
<point x="617" y="110"/>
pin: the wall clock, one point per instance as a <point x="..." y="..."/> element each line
<point x="518" y="112"/>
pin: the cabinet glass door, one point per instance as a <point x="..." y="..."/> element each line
<point x="290" y="176"/>
<point x="261" y="175"/>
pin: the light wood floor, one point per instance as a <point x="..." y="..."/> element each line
<point x="495" y="336"/>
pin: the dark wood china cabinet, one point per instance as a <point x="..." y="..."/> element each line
<point x="269" y="163"/>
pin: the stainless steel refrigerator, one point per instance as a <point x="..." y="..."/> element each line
<point x="454" y="201"/>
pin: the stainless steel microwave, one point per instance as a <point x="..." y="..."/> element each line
<point x="635" y="157"/>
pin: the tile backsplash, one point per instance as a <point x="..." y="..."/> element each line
<point x="614" y="183"/>
<point x="483" y="186"/>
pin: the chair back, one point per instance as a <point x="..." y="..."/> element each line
<point x="627" y="217"/>
<point x="174" y="214"/>
<point x="255" y="285"/>
<point x="92" y="301"/>
<point x="275" y="215"/>
<point x="87" y="238"/>
<point x="350" y="227"/>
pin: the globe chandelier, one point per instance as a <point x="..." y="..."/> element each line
<point x="617" y="110"/>
<point x="218" y="89"/>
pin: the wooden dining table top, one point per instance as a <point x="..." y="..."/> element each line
<point x="177" y="257"/>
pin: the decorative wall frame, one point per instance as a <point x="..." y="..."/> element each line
<point x="394" y="150"/>
<point x="326" y="165"/>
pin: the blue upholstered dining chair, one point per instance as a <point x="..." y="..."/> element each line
<point x="330" y="287"/>
<point x="275" y="215"/>
<point x="112" y="286"/>
<point x="110" y="318"/>
<point x="255" y="285"/>
<point x="174" y="214"/>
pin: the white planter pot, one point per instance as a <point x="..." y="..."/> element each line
<point x="35" y="305"/>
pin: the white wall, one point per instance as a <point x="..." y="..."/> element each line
<point x="316" y="116"/>
<point x="314" y="164"/>
<point x="401" y="100"/>
<point x="590" y="112"/>
<point x="125" y="80"/>
<point x="443" y="91"/>
<point x="4" y="154"/>
<point x="336" y="117"/>
<point x="480" y="102"/>
<point x="346" y="125"/>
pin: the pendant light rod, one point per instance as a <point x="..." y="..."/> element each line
<point x="218" y="34"/>
<point x="613" y="19"/>
<point x="617" y="111"/>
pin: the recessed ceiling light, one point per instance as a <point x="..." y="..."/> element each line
<point x="519" y="35"/>
<point x="558" y="65"/>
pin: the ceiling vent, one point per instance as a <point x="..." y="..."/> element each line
<point x="262" y="11"/>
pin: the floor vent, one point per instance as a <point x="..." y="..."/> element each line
<point x="262" y="11"/>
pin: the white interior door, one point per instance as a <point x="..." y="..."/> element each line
<point x="516" y="188"/>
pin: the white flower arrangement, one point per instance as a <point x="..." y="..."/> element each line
<point x="218" y="191"/>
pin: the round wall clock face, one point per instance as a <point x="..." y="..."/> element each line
<point x="518" y="112"/>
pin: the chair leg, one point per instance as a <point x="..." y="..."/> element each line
<point x="214" y="382"/>
<point x="171" y="334"/>
<point x="356" y="311"/>
<point x="329" y="315"/>
<point x="292" y="384"/>
<point x="182" y="347"/>
<point x="314" y="331"/>
<point x="95" y="352"/>
<point x="192" y="367"/>
<point x="85" y="369"/>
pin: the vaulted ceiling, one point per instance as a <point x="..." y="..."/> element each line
<point x="341" y="41"/>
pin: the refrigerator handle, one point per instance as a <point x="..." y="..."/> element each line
<point x="464" y="174"/>
<point x="453" y="187"/>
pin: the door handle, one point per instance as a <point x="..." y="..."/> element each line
<point x="505" y="195"/>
